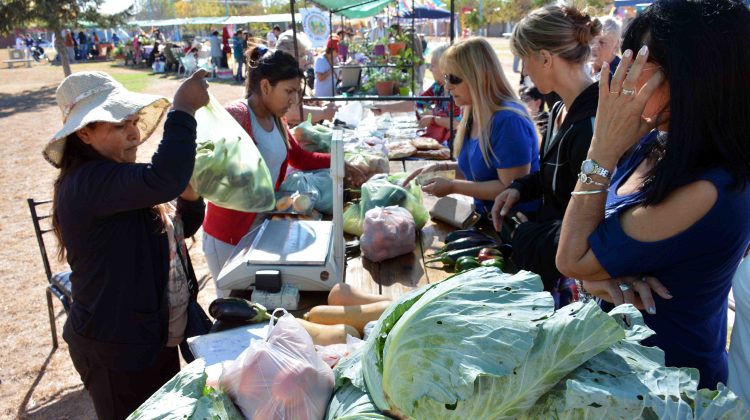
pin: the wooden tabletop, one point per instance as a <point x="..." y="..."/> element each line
<point x="396" y="276"/>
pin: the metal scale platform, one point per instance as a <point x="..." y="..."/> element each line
<point x="309" y="254"/>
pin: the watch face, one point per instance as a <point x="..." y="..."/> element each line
<point x="587" y="167"/>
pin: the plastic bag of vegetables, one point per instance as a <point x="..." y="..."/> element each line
<point x="281" y="378"/>
<point x="388" y="232"/>
<point x="383" y="191"/>
<point x="313" y="138"/>
<point x="317" y="182"/>
<point x="229" y="171"/>
<point x="367" y="161"/>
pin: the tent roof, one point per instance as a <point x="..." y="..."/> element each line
<point x="217" y="20"/>
<point x="421" y="12"/>
<point x="355" y="9"/>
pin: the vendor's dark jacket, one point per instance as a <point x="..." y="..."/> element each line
<point x="119" y="252"/>
<point x="535" y="242"/>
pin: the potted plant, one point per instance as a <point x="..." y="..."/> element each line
<point x="386" y="81"/>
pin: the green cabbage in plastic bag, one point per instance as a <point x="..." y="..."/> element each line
<point x="317" y="182"/>
<point x="383" y="191"/>
<point x="229" y="171"/>
<point x="313" y="138"/>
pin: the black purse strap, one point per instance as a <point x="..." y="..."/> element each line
<point x="191" y="283"/>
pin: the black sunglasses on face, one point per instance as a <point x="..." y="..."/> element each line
<point x="452" y="79"/>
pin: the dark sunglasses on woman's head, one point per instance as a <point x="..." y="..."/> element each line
<point x="452" y="79"/>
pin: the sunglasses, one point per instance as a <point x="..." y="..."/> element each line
<point x="452" y="79"/>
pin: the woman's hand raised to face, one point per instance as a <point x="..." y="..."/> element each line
<point x="619" y="116"/>
<point x="192" y="93"/>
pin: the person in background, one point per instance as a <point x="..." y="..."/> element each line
<point x="605" y="47"/>
<point x="554" y="45"/>
<point x="272" y="87"/>
<point x="273" y="36"/>
<point x="20" y="42"/>
<point x="496" y="141"/>
<point x="379" y="31"/>
<point x="122" y="226"/>
<point x="304" y="46"/>
<point x="434" y="115"/>
<point x="115" y="39"/>
<point x="534" y="101"/>
<point x="668" y="227"/>
<point x="216" y="52"/>
<point x="70" y="46"/>
<point x="325" y="75"/>
<point x="83" y="42"/>
<point x="238" y="50"/>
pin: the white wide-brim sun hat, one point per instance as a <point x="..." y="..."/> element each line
<point x="94" y="96"/>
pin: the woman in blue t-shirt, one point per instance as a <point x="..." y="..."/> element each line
<point x="496" y="141"/>
<point x="675" y="218"/>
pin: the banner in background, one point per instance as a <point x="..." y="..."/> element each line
<point x="316" y="25"/>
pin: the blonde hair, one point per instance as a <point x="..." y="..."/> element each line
<point x="475" y="62"/>
<point x="561" y="30"/>
<point x="285" y="42"/>
<point x="438" y="52"/>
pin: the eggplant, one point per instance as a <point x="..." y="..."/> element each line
<point x="465" y="233"/>
<point x="237" y="310"/>
<point x="468" y="242"/>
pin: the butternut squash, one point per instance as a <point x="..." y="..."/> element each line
<point x="343" y="294"/>
<point x="324" y="335"/>
<point x="355" y="315"/>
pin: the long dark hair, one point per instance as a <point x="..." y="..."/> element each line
<point x="76" y="154"/>
<point x="703" y="48"/>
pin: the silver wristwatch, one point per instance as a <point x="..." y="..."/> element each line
<point x="591" y="167"/>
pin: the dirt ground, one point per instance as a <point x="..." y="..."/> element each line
<point x="35" y="381"/>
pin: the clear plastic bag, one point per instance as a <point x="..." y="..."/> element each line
<point x="383" y="191"/>
<point x="229" y="171"/>
<point x="281" y="378"/>
<point x="388" y="232"/>
<point x="317" y="182"/>
<point x="369" y="162"/>
<point x="313" y="138"/>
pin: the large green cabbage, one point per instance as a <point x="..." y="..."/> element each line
<point x="186" y="396"/>
<point x="483" y="344"/>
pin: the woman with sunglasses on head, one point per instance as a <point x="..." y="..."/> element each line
<point x="553" y="43"/>
<point x="673" y="218"/>
<point x="496" y="141"/>
<point x="272" y="87"/>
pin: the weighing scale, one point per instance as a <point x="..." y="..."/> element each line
<point x="309" y="254"/>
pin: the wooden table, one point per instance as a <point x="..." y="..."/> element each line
<point x="396" y="276"/>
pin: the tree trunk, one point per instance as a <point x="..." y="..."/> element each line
<point x="62" y="51"/>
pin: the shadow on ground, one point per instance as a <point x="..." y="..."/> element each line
<point x="26" y="101"/>
<point x="71" y="405"/>
<point x="67" y="403"/>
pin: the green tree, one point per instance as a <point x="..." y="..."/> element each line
<point x="55" y="15"/>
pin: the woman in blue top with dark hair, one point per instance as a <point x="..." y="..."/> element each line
<point x="675" y="218"/>
<point x="496" y="141"/>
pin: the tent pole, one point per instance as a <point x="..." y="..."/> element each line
<point x="296" y="50"/>
<point x="414" y="39"/>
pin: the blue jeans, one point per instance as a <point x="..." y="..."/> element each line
<point x="239" y="75"/>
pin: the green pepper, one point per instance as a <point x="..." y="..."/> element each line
<point x="494" y="262"/>
<point x="466" y="263"/>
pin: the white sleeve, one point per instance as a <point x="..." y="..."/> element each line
<point x="321" y="65"/>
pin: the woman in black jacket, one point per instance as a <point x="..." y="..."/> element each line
<point x="124" y="239"/>
<point x="553" y="43"/>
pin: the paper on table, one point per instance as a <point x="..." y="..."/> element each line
<point x="226" y="345"/>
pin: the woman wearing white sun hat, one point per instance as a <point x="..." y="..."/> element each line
<point x="123" y="243"/>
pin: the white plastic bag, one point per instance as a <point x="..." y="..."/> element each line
<point x="388" y="232"/>
<point x="281" y="378"/>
